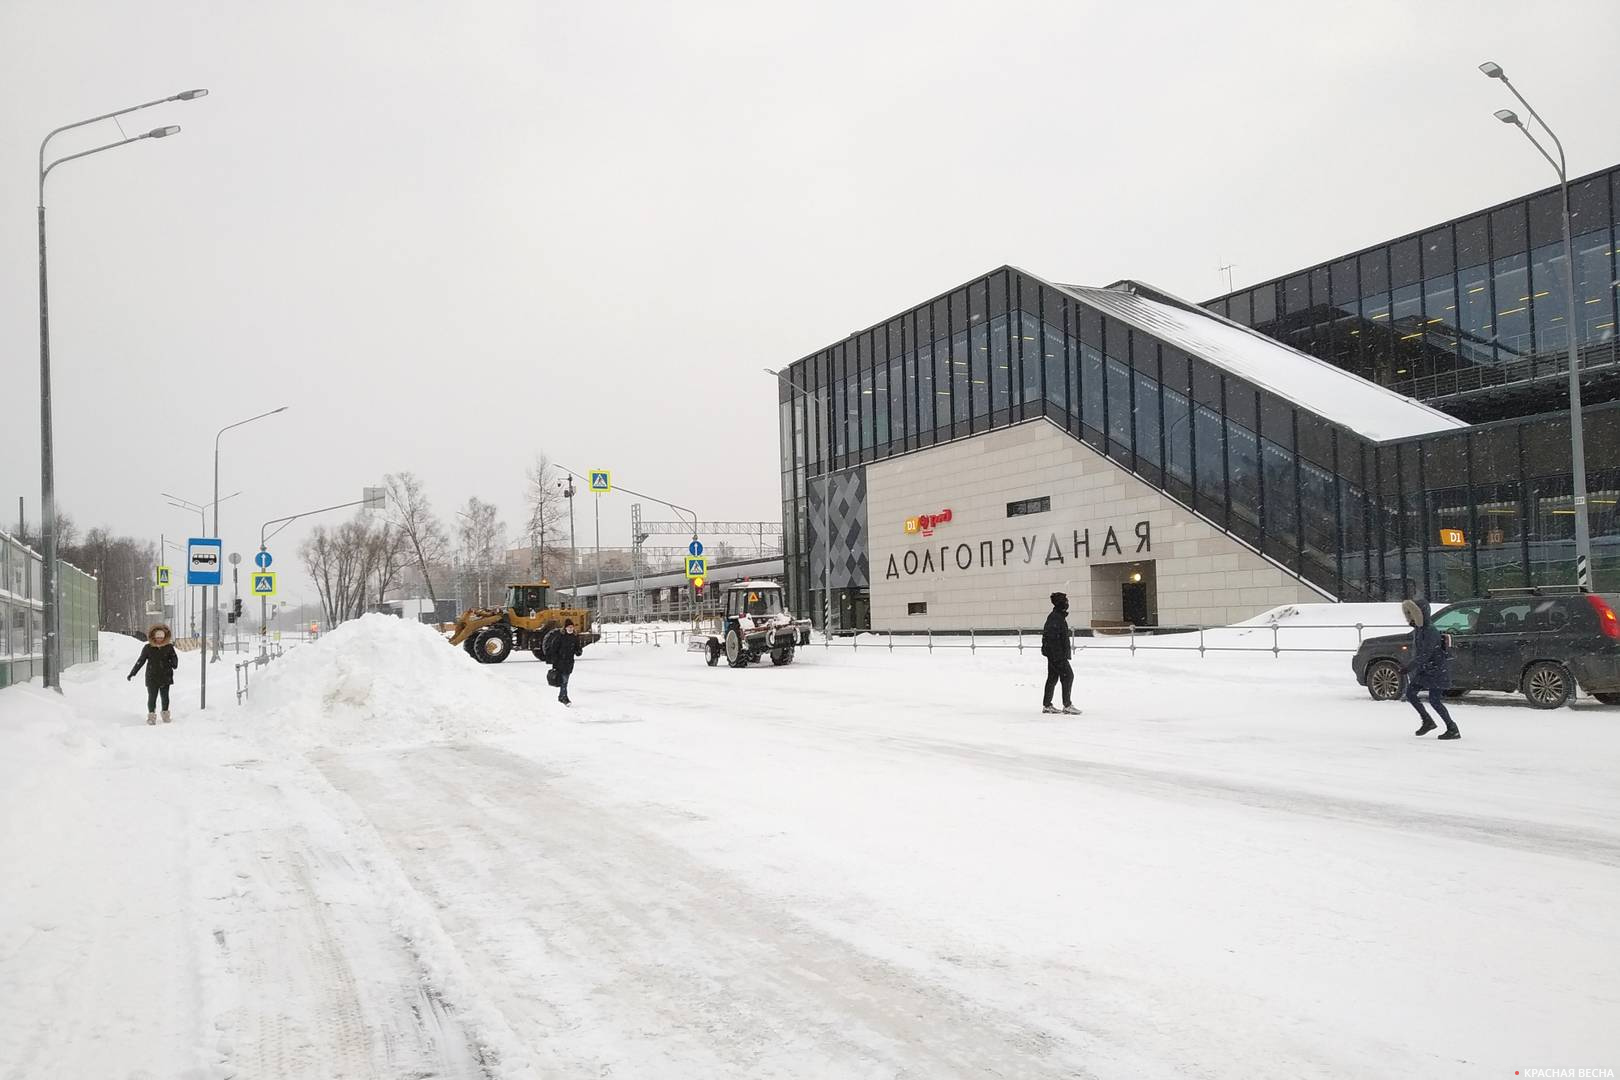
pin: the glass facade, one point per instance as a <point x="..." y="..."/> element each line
<point x="22" y="625"/>
<point x="1472" y="315"/>
<point x="1443" y="516"/>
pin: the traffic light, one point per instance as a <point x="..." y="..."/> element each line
<point x="236" y="609"/>
<point x="697" y="588"/>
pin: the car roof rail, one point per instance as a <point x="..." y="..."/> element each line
<point x="1538" y="590"/>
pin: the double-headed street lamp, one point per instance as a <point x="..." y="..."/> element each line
<point x="1577" y="437"/>
<point x="47" y="468"/>
<point x="219" y="639"/>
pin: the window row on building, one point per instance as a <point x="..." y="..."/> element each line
<point x="22" y="615"/>
<point x="1357" y="519"/>
<point x="1479" y="301"/>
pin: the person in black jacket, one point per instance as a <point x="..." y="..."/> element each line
<point x="1057" y="646"/>
<point x="562" y="649"/>
<point x="161" y="661"/>
<point x="1428" y="669"/>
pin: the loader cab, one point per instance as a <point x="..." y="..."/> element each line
<point x="527" y="600"/>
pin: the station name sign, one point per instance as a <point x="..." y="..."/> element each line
<point x="1022" y="550"/>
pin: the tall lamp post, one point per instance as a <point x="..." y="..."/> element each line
<point x="826" y="514"/>
<point x="1577" y="436"/>
<point x="47" y="461"/>
<point x="220" y="631"/>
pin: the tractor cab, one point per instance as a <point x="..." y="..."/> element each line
<point x="754" y="601"/>
<point x="527" y="601"/>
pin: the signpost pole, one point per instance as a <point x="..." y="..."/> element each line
<point x="236" y="603"/>
<point x="598" y="502"/>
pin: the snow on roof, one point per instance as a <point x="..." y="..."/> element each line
<point x="1369" y="410"/>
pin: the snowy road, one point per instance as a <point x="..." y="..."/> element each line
<point x="861" y="865"/>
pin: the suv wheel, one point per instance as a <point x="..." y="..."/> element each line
<point x="1548" y="685"/>
<point x="1384" y="680"/>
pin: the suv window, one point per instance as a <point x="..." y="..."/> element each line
<point x="1458" y="620"/>
<point x="1548" y="616"/>
<point x="1508" y="617"/>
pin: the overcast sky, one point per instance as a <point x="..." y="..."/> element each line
<point x="451" y="236"/>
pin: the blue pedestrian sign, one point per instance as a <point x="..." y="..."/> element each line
<point x="203" y="558"/>
<point x="695" y="547"/>
<point x="601" y="481"/>
<point x="264" y="583"/>
<point x="696" y="566"/>
<point x="263" y="560"/>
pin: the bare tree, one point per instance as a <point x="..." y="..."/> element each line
<point x="420" y="527"/>
<point x="339" y="561"/>
<point x="390" y="557"/>
<point x="483" y="538"/>
<point x="546" y="510"/>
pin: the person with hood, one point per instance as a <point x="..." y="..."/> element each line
<point x="1428" y="669"/>
<point x="1057" y="645"/>
<point x="560" y="652"/>
<point x="160" y="660"/>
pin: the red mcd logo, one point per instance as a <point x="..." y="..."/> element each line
<point x="926" y="523"/>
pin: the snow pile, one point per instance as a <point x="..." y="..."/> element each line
<point x="383" y="681"/>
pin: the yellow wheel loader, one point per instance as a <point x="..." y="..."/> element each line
<point x="526" y="622"/>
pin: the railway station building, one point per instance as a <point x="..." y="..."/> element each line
<point x="1386" y="424"/>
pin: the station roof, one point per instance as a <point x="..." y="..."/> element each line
<point x="1369" y="410"/>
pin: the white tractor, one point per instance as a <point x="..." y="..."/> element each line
<point x="754" y="623"/>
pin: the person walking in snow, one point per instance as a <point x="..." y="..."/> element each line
<point x="1058" y="646"/>
<point x="563" y="648"/>
<point x="160" y="660"/>
<point x="1428" y="669"/>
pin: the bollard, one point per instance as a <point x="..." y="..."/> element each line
<point x="891" y="640"/>
<point x="1200" y="642"/>
<point x="972" y="641"/>
<point x="1133" y="641"/>
<point x="1276" y="651"/>
<point x="930" y="639"/>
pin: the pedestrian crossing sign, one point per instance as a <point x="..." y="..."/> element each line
<point x="697" y="566"/>
<point x="602" y="481"/>
<point x="264" y="583"/>
<point x="163" y="577"/>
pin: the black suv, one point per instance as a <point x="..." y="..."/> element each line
<point x="1540" y="645"/>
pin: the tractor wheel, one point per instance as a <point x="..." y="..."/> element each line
<point x="736" y="652"/>
<point x="782" y="654"/>
<point x="714" y="653"/>
<point x="494" y="646"/>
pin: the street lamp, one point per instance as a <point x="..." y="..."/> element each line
<point x="47" y="457"/>
<point x="219" y="639"/>
<point x="826" y="516"/>
<point x="1577" y="436"/>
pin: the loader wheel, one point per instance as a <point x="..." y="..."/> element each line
<point x="539" y="654"/>
<point x="547" y="640"/>
<point x="493" y="646"/>
<point x="781" y="655"/>
<point x="736" y="652"/>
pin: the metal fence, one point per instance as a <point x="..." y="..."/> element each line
<point x="1276" y="638"/>
<point x="266" y="653"/>
<point x="22" y="613"/>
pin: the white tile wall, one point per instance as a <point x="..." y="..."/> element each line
<point x="1203" y="576"/>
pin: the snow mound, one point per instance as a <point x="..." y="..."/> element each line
<point x="379" y="680"/>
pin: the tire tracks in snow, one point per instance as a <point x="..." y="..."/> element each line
<point x="626" y="955"/>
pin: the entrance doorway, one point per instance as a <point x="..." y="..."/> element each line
<point x="1124" y="594"/>
<point x="1134" y="601"/>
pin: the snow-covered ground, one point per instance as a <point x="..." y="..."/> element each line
<point x="396" y="863"/>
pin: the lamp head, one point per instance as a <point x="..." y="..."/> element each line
<point x="1507" y="116"/>
<point x="1492" y="70"/>
<point x="163" y="132"/>
<point x="188" y="95"/>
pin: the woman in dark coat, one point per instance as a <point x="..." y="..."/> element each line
<point x="160" y="660"/>
<point x="1428" y="669"/>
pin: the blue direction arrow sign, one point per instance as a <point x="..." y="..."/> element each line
<point x="263" y="560"/>
<point x="695" y="547"/>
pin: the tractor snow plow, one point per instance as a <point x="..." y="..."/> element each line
<point x="526" y="622"/>
<point x="755" y="624"/>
